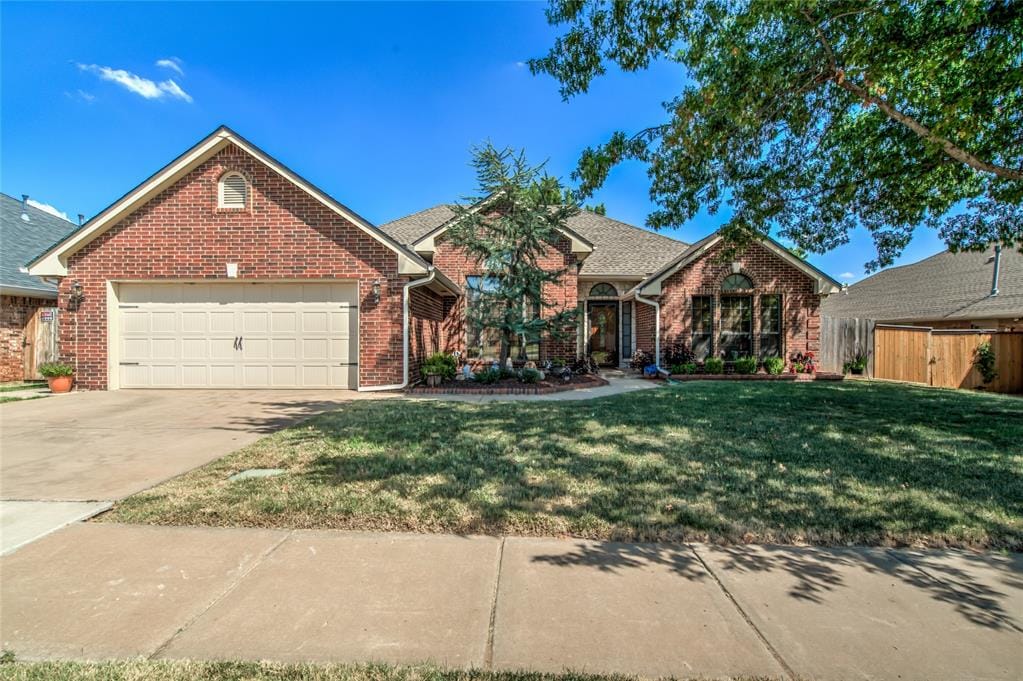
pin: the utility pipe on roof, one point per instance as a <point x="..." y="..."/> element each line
<point x="405" y="340"/>
<point x="657" y="327"/>
<point x="994" y="275"/>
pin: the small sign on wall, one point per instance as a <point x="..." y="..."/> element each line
<point x="46" y="315"/>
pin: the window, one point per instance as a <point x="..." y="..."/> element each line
<point x="703" y="326"/>
<point x="232" y="191"/>
<point x="627" y="329"/>
<point x="485" y="343"/>
<point x="736" y="282"/>
<point x="736" y="327"/>
<point x="603" y="290"/>
<point x="480" y="343"/>
<point x="770" y="326"/>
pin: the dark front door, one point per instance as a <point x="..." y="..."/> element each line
<point x="604" y="333"/>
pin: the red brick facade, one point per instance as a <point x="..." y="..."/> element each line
<point x="453" y="262"/>
<point x="770" y="275"/>
<point x="284" y="234"/>
<point x="15" y="312"/>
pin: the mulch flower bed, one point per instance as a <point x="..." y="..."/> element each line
<point x="819" y="376"/>
<point x="510" y="386"/>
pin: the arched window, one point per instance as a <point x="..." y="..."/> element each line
<point x="232" y="191"/>
<point x="736" y="282"/>
<point x="603" y="290"/>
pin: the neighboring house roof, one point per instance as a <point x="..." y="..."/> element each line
<point x="652" y="284"/>
<point x="953" y="286"/>
<point x="54" y="261"/>
<point x="619" y="249"/>
<point x="21" y="240"/>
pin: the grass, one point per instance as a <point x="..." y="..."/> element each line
<point x="821" y="463"/>
<point x="21" y="385"/>
<point x="145" y="670"/>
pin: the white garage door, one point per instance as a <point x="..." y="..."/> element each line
<point x="238" y="335"/>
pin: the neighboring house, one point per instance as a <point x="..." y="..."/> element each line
<point x="945" y="291"/>
<point x="26" y="303"/>
<point x="226" y="269"/>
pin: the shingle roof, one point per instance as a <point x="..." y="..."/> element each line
<point x="21" y="241"/>
<point x="944" y="286"/>
<point x="619" y="249"/>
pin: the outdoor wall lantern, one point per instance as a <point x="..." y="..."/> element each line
<point x="376" y="291"/>
<point x="76" y="297"/>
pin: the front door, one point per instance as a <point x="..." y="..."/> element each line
<point x="604" y="333"/>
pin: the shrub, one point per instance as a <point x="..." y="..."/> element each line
<point x="984" y="361"/>
<point x="488" y="376"/>
<point x="530" y="376"/>
<point x="677" y="352"/>
<point x="54" y="369"/>
<point x="774" y="365"/>
<point x="746" y="365"/>
<point x="687" y="368"/>
<point x="440" y="364"/>
<point x="641" y="359"/>
<point x="557" y="363"/>
<point x="714" y="365"/>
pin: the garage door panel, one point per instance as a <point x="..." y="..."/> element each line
<point x="283" y="321"/>
<point x="238" y="335"/>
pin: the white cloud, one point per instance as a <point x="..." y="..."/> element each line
<point x="143" y="87"/>
<point x="847" y="275"/>
<point x="174" y="90"/>
<point x="47" y="208"/>
<point x="172" y="63"/>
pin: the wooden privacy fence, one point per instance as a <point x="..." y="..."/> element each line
<point x="842" y="340"/>
<point x="945" y="357"/>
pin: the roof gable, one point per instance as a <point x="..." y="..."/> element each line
<point x="825" y="285"/>
<point x="54" y="261"/>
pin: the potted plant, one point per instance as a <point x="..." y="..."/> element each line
<point x="438" y="367"/>
<point x="59" y="375"/>
<point x="857" y="365"/>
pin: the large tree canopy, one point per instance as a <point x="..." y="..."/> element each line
<point x="812" y="117"/>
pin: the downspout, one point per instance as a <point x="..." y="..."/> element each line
<point x="405" y="335"/>
<point x="994" y="275"/>
<point x="657" y="327"/>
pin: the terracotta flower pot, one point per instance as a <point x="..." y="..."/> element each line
<point x="60" y="384"/>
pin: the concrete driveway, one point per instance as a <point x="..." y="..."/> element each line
<point x="98" y="447"/>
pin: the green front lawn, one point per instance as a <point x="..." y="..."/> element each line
<point x="830" y="463"/>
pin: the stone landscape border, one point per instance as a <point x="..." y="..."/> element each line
<point x="820" y="376"/>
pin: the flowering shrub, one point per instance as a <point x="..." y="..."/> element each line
<point x="641" y="359"/>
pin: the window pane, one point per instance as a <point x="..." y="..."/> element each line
<point x="735" y="282"/>
<point x="627" y="329"/>
<point x="770" y="326"/>
<point x="703" y="326"/>
<point x="603" y="290"/>
<point x="736" y="327"/>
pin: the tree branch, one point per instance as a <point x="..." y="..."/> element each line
<point x="838" y="76"/>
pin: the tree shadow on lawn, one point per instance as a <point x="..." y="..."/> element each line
<point x="819" y="464"/>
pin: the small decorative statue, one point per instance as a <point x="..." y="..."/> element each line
<point x="508" y="364"/>
<point x="466" y="374"/>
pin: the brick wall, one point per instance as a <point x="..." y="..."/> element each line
<point x="453" y="262"/>
<point x="284" y="234"/>
<point x="645" y="327"/>
<point x="15" y="311"/>
<point x="429" y="327"/>
<point x="770" y="275"/>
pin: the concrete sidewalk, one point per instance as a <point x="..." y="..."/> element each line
<point x="105" y="590"/>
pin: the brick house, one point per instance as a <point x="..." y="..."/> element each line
<point x="27" y="303"/>
<point x="227" y="269"/>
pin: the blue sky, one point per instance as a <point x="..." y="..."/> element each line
<point x="378" y="104"/>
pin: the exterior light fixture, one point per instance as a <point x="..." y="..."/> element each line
<point x="376" y="290"/>
<point x="76" y="297"/>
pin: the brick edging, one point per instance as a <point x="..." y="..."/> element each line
<point x="758" y="377"/>
<point x="591" y="382"/>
